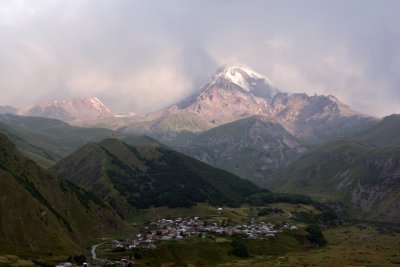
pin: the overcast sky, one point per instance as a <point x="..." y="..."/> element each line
<point x="144" y="55"/>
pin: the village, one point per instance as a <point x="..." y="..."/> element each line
<point x="181" y="228"/>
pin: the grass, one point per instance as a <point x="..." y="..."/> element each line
<point x="241" y="215"/>
<point x="12" y="260"/>
<point x="353" y="245"/>
<point x="356" y="245"/>
<point x="208" y="252"/>
<point x="30" y="260"/>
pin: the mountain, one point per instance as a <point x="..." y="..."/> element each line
<point x="234" y="93"/>
<point x="362" y="180"/>
<point x="383" y="134"/>
<point x="317" y="118"/>
<point x="41" y="214"/>
<point x="231" y="93"/>
<point x="252" y="148"/>
<point x="48" y="140"/>
<point x="139" y="176"/>
<point x="247" y="79"/>
<point x="68" y="110"/>
<point x="7" y="110"/>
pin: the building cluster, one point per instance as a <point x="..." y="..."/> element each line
<point x="180" y="228"/>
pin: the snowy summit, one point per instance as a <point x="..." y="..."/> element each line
<point x="247" y="79"/>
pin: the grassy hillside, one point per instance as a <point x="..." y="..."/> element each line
<point x="362" y="180"/>
<point x="252" y="148"/>
<point x="383" y="134"/>
<point x="139" y="176"/>
<point x="46" y="141"/>
<point x="41" y="214"/>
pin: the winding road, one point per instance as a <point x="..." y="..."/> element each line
<point x="93" y="251"/>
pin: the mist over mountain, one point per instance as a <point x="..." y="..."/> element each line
<point x="69" y="109"/>
<point x="235" y="92"/>
<point x="276" y="127"/>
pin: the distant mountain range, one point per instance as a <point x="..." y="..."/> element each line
<point x="264" y="129"/>
<point x="234" y="93"/>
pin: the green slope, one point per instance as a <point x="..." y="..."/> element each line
<point x="363" y="180"/>
<point x="46" y="141"/>
<point x="164" y="126"/>
<point x="252" y="148"/>
<point x="383" y="134"/>
<point x="40" y="213"/>
<point x="130" y="177"/>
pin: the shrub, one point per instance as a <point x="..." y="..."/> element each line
<point x="315" y="236"/>
<point x="239" y="249"/>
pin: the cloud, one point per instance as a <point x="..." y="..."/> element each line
<point x="145" y="55"/>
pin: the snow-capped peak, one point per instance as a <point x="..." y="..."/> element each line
<point x="247" y="79"/>
<point x="96" y="103"/>
<point x="75" y="109"/>
<point x="238" y="74"/>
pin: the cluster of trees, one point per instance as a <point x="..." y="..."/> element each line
<point x="239" y="249"/>
<point x="315" y="235"/>
<point x="269" y="210"/>
<point x="175" y="180"/>
<point x="269" y="198"/>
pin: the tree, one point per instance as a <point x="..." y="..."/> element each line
<point x="316" y="236"/>
<point x="239" y="249"/>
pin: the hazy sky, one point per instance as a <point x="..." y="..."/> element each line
<point x="144" y="55"/>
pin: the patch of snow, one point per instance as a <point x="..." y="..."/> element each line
<point x="97" y="104"/>
<point x="246" y="79"/>
<point x="237" y="78"/>
<point x="130" y="114"/>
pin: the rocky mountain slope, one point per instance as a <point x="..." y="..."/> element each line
<point x="360" y="174"/>
<point x="234" y="93"/>
<point x="253" y="148"/>
<point x="68" y="110"/>
<point x="40" y="213"/>
<point x="130" y="177"/>
<point x="206" y="124"/>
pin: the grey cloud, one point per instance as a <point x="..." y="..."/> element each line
<point x="145" y="55"/>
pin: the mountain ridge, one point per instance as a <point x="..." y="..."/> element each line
<point x="252" y="148"/>
<point x="358" y="174"/>
<point x="73" y="109"/>
<point x="138" y="176"/>
<point x="234" y="93"/>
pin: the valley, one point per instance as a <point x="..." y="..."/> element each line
<point x="173" y="133"/>
<point x="238" y="174"/>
